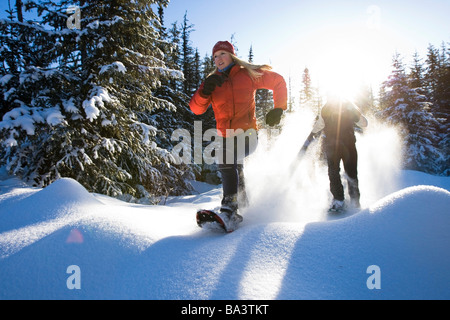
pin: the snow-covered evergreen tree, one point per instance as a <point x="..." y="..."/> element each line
<point x="207" y="65"/>
<point x="416" y="75"/>
<point x="34" y="91"/>
<point x="437" y="80"/>
<point x="90" y="117"/>
<point x="306" y="93"/>
<point x="190" y="68"/>
<point x="406" y="108"/>
<point x="431" y="77"/>
<point x="444" y="111"/>
<point x="208" y="119"/>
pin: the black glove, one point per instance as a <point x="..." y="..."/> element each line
<point x="273" y="117"/>
<point x="211" y="82"/>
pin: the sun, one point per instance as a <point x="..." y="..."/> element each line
<point x="346" y="61"/>
<point x="342" y="70"/>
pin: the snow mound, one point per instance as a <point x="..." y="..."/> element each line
<point x="61" y="198"/>
<point x="405" y="234"/>
<point x="129" y="251"/>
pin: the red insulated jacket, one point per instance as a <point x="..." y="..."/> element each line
<point x="234" y="102"/>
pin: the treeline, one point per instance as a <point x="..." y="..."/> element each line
<point x="99" y="103"/>
<point x="96" y="103"/>
<point x="417" y="100"/>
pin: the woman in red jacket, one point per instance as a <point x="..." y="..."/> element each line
<point x="230" y="89"/>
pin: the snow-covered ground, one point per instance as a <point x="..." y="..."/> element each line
<point x="63" y="242"/>
<point x="157" y="252"/>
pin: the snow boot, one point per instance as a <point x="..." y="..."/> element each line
<point x="229" y="213"/>
<point x="337" y="206"/>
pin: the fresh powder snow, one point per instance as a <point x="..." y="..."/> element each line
<point x="62" y="242"/>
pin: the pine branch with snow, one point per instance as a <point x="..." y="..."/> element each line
<point x="406" y="107"/>
<point x="86" y="111"/>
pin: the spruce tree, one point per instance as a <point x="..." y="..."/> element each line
<point x="407" y="109"/>
<point x="208" y="119"/>
<point x="34" y="91"/>
<point x="173" y="57"/>
<point x="437" y="85"/>
<point x="188" y="59"/>
<point x="207" y="66"/>
<point x="431" y="76"/>
<point x="95" y="111"/>
<point x="306" y="94"/>
<point x="416" y="75"/>
<point x="26" y="58"/>
<point x="442" y="110"/>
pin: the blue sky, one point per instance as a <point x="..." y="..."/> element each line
<point x="339" y="41"/>
<point x="349" y="42"/>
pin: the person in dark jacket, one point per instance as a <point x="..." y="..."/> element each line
<point x="337" y="119"/>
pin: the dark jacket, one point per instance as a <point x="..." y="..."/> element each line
<point x="340" y="119"/>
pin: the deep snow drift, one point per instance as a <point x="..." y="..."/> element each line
<point x="155" y="252"/>
<point x="288" y="247"/>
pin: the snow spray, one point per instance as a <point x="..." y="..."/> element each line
<point x="278" y="194"/>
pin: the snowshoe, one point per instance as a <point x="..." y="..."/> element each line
<point x="223" y="220"/>
<point x="337" y="206"/>
<point x="208" y="219"/>
<point x="226" y="218"/>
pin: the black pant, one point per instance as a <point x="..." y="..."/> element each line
<point x="349" y="156"/>
<point x="232" y="165"/>
<point x="233" y="180"/>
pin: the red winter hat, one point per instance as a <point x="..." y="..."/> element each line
<point x="224" y="45"/>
